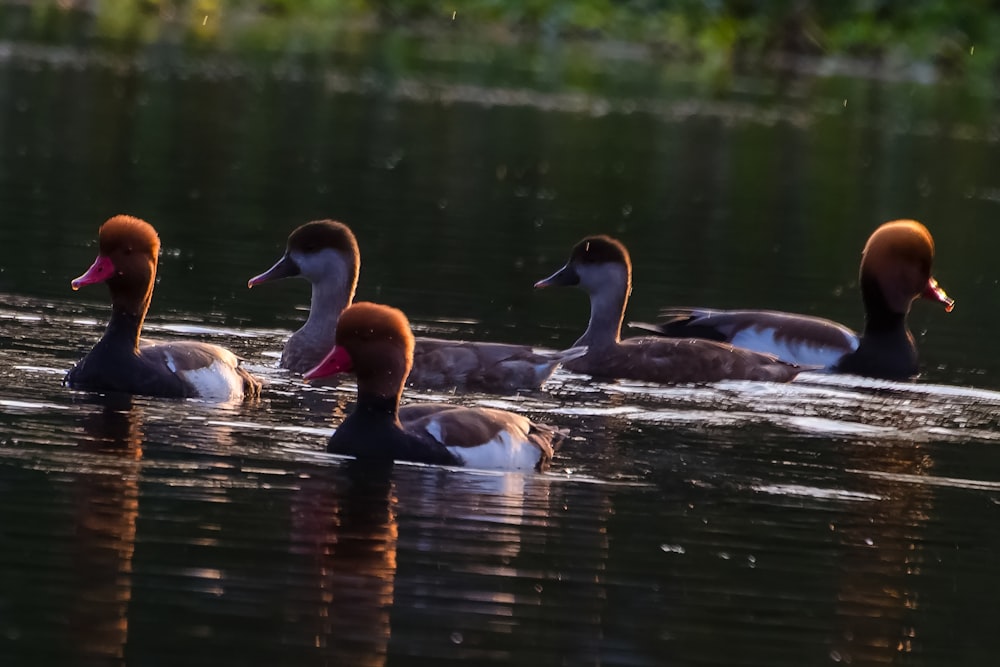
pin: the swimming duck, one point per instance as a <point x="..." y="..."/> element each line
<point x="127" y="257"/>
<point x="325" y="253"/>
<point x="895" y="271"/>
<point x="601" y="266"/>
<point x="376" y="344"/>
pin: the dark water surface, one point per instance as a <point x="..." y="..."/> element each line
<point x="828" y="521"/>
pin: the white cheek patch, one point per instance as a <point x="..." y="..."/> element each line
<point x="801" y="352"/>
<point x="217" y="381"/>
<point x="326" y="265"/>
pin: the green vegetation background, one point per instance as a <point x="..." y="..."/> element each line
<point x="940" y="32"/>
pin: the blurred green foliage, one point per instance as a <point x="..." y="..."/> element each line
<point x="943" y="32"/>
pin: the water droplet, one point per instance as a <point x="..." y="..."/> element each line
<point x="456" y="638"/>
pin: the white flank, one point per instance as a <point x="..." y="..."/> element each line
<point x="506" y="451"/>
<point x="800" y="352"/>
<point x="218" y="381"/>
<point x="170" y="362"/>
<point x="433" y="428"/>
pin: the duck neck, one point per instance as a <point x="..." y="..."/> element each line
<point x="886" y="348"/>
<point x="384" y="409"/>
<point x="130" y="300"/>
<point x="123" y="329"/>
<point x="880" y="318"/>
<point x="607" y="310"/>
<point x="370" y="430"/>
<point x="329" y="299"/>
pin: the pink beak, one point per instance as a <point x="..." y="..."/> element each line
<point x="935" y="292"/>
<point x="338" y="361"/>
<point x="102" y="269"/>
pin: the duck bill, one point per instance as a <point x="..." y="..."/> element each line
<point x="102" y="269"/>
<point x="934" y="292"/>
<point x="564" y="277"/>
<point x="338" y="361"/>
<point x="283" y="268"/>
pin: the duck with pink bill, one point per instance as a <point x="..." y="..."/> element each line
<point x="122" y="362"/>
<point x="375" y="343"/>
<point x="895" y="272"/>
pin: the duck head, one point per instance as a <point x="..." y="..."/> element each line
<point x="896" y="266"/>
<point x="319" y="251"/>
<point x="128" y="249"/>
<point x="596" y="264"/>
<point x="375" y="343"/>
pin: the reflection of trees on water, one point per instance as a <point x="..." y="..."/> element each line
<point x="464" y="565"/>
<point x="756" y="555"/>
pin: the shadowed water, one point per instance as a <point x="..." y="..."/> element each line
<point x="830" y="520"/>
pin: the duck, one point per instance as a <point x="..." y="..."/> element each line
<point x="376" y="344"/>
<point x="121" y="361"/>
<point x="602" y="267"/>
<point x="326" y="253"/>
<point x="895" y="271"/>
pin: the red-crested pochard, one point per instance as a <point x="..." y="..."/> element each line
<point x="326" y="254"/>
<point x="895" y="271"/>
<point x="128" y="252"/>
<point x="600" y="265"/>
<point x="376" y="344"/>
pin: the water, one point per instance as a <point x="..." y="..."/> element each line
<point x="832" y="520"/>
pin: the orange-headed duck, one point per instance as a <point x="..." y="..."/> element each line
<point x="600" y="265"/>
<point x="326" y="254"/>
<point x="895" y="271"/>
<point x="126" y="261"/>
<point x="376" y="344"/>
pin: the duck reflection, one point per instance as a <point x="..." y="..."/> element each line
<point x="424" y="561"/>
<point x="882" y="551"/>
<point x="107" y="505"/>
<point x="504" y="566"/>
<point x="344" y="524"/>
